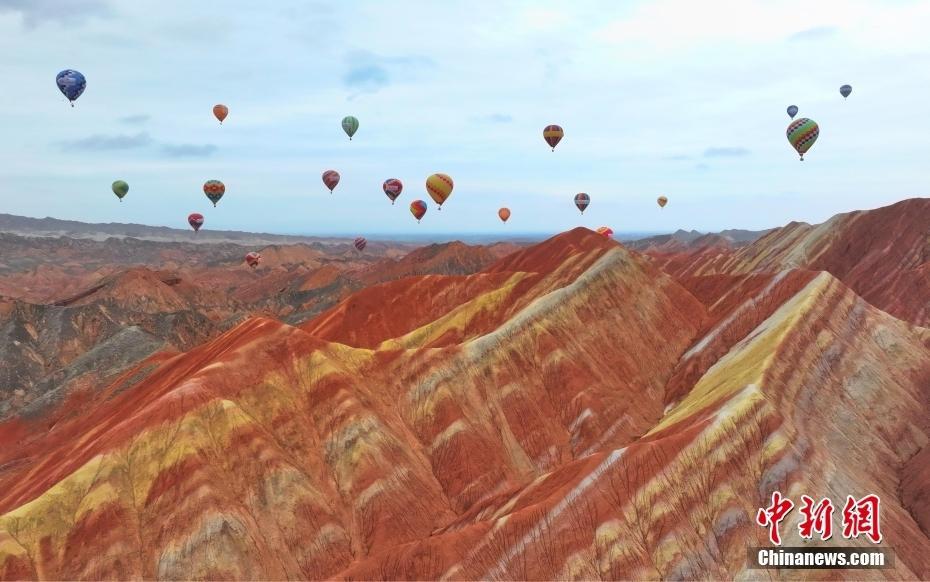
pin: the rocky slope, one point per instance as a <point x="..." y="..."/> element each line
<point x="572" y="410"/>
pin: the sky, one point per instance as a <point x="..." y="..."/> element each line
<point x="678" y="98"/>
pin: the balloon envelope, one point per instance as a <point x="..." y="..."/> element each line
<point x="331" y="179"/>
<point x="361" y="243"/>
<point x="845" y="90"/>
<point x="392" y="188"/>
<point x="418" y="209"/>
<point x="553" y="135"/>
<point x="120" y="188"/>
<point x="439" y="187"/>
<point x="220" y="111"/>
<point x="252" y="259"/>
<point x="662" y="200"/>
<point x="802" y="133"/>
<point x="349" y="125"/>
<point x="792" y="111"/>
<point x="504" y="214"/>
<point x="195" y="219"/>
<point x="71" y="83"/>
<point x="581" y="201"/>
<point x="214" y="189"/>
<point x="605" y="231"/>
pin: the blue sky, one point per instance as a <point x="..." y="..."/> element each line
<point x="680" y="98"/>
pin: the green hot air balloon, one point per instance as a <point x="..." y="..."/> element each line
<point x="349" y="125"/>
<point x="802" y="133"/>
<point x="120" y="188"/>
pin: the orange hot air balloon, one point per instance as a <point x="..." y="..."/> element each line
<point x="220" y="111"/>
<point x="504" y="214"/>
<point x="662" y="200"/>
<point x="439" y="188"/>
<point x="605" y="231"/>
<point x="418" y="209"/>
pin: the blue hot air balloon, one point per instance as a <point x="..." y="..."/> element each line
<point x="792" y="111"/>
<point x="71" y="84"/>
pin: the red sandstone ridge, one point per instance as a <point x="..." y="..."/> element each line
<point x="882" y="254"/>
<point x="567" y="411"/>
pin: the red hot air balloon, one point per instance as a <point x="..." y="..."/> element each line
<point x="331" y="179"/>
<point x="361" y="243"/>
<point x="195" y="219"/>
<point x="252" y="259"/>
<point x="418" y="209"/>
<point x="606" y="232"/>
<point x="392" y="188"/>
<point x="581" y="201"/>
<point x="553" y="135"/>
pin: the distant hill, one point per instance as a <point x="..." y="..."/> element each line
<point x="684" y="239"/>
<point x="54" y="227"/>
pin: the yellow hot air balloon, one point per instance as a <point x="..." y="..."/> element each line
<point x="439" y="187"/>
<point x="662" y="201"/>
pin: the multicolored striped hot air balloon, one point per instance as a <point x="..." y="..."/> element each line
<point x="418" y="209"/>
<point x="214" y="189"/>
<point x="792" y="111"/>
<point x="662" y="200"/>
<point x="120" y="188"/>
<point x="504" y="214"/>
<point x="392" y="188"/>
<point x="195" y="219"/>
<point x="553" y="135"/>
<point x="331" y="179"/>
<point x="220" y="111"/>
<point x="361" y="243"/>
<point x="605" y="231"/>
<point x="439" y="188"/>
<point x="581" y="201"/>
<point x="252" y="259"/>
<point x="845" y="90"/>
<point x="802" y="133"/>
<point x="349" y="125"/>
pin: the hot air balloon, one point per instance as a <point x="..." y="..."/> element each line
<point x="418" y="209"/>
<point x="331" y="179"/>
<point x="802" y="133"/>
<point x="504" y="214"/>
<point x="792" y="111"/>
<point x="392" y="187"/>
<point x="361" y="243"/>
<point x="195" y="220"/>
<point x="553" y="135"/>
<point x="439" y="187"/>
<point x="214" y="189"/>
<point x="120" y="188"/>
<point x="605" y="231"/>
<point x="220" y="111"/>
<point x="252" y="259"/>
<point x="581" y="201"/>
<point x="662" y="200"/>
<point x="845" y="90"/>
<point x="71" y="84"/>
<point x="349" y="125"/>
